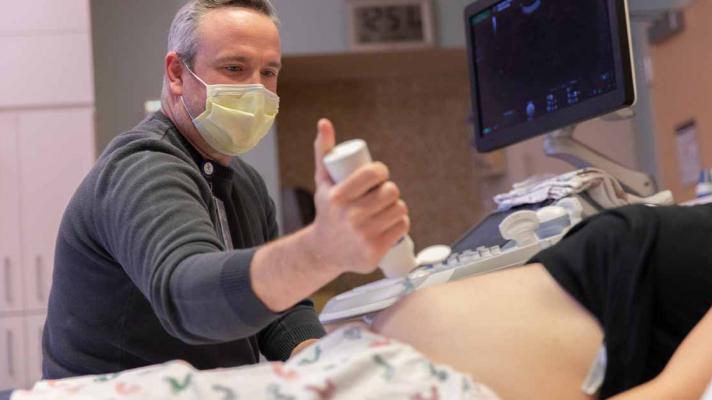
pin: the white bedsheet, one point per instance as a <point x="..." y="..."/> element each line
<point x="350" y="363"/>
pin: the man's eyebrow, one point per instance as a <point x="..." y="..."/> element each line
<point x="243" y="59"/>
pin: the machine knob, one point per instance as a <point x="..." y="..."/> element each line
<point x="521" y="227"/>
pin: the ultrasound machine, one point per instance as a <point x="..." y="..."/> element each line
<point x="536" y="67"/>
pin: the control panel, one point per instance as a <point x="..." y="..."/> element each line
<point x="527" y="232"/>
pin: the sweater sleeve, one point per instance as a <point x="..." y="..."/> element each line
<point x="298" y="324"/>
<point x="152" y="214"/>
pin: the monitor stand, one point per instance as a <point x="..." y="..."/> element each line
<point x="562" y="145"/>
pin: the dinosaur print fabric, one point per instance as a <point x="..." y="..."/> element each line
<point x="350" y="363"/>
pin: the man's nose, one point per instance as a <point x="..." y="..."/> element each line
<point x="256" y="77"/>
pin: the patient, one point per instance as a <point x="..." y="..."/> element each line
<point x="636" y="280"/>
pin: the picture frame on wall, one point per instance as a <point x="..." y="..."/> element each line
<point x="380" y="25"/>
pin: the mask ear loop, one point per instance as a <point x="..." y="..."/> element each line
<point x="181" y="96"/>
<point x="186" y="108"/>
<point x="193" y="73"/>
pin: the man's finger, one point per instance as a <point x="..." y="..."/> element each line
<point x="363" y="180"/>
<point x="385" y="219"/>
<point x="395" y="232"/>
<point x="377" y="199"/>
<point x="325" y="141"/>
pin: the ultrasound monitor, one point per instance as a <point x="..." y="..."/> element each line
<point x="537" y="66"/>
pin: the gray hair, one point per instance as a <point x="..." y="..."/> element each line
<point x="182" y="37"/>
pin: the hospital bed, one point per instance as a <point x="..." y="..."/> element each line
<point x="341" y="365"/>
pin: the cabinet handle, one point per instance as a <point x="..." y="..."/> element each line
<point x="41" y="336"/>
<point x="8" y="280"/>
<point x="10" y="354"/>
<point x="39" y="278"/>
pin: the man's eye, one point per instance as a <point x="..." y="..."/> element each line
<point x="234" y="68"/>
<point x="269" y="73"/>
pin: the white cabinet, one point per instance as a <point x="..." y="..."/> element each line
<point x="12" y="360"/>
<point x="10" y="268"/>
<point x="46" y="71"/>
<point x="44" y="155"/>
<point x="46" y="148"/>
<point x="46" y="53"/>
<point x="37" y="16"/>
<point x="56" y="150"/>
<point x="34" y="326"/>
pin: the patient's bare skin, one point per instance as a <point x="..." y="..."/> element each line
<point x="516" y="331"/>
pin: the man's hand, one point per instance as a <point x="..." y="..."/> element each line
<point x="357" y="220"/>
<point x="303" y="345"/>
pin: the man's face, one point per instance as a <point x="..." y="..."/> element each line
<point x="235" y="45"/>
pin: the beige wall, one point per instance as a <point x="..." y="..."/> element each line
<point x="682" y="90"/>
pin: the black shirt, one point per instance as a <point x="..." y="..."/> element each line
<point x="646" y="274"/>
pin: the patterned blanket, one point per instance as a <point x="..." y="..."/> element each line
<point x="350" y="363"/>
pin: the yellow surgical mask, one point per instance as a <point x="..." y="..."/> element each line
<point x="236" y="117"/>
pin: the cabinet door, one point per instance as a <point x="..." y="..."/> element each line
<point x="50" y="16"/>
<point x="34" y="325"/>
<point x="26" y="80"/>
<point x="12" y="366"/>
<point x="56" y="150"/>
<point x="10" y="270"/>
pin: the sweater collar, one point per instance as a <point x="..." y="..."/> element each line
<point x="209" y="168"/>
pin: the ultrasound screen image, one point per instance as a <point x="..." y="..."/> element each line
<point x="536" y="57"/>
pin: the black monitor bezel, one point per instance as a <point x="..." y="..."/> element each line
<point x="623" y="96"/>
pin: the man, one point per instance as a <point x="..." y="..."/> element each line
<point x="145" y="269"/>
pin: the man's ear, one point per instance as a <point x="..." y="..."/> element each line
<point x="174" y="73"/>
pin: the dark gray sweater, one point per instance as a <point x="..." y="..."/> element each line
<point x="141" y="274"/>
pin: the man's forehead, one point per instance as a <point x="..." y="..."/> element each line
<point x="238" y="32"/>
<point x="229" y="24"/>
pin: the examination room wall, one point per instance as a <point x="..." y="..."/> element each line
<point x="682" y="92"/>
